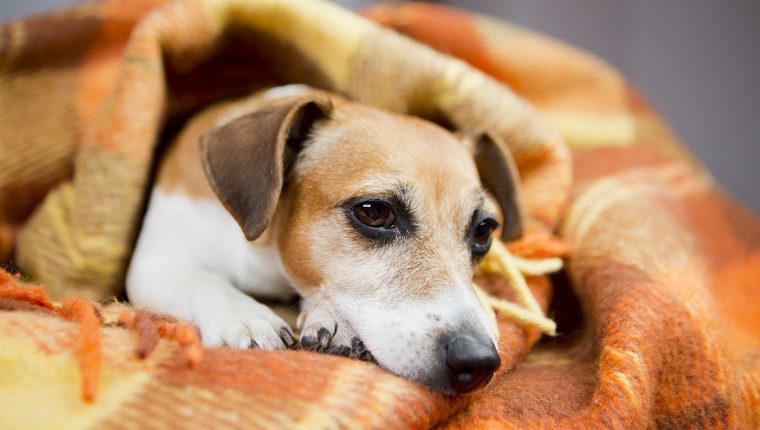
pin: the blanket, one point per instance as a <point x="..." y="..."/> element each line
<point x="657" y="311"/>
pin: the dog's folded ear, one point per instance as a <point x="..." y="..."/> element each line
<point x="246" y="160"/>
<point x="499" y="175"/>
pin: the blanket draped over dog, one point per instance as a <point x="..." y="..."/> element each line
<point x="658" y="310"/>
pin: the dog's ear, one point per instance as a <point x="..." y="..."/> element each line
<point x="498" y="174"/>
<point x="246" y="161"/>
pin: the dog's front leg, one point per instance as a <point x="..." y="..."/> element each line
<point x="223" y="314"/>
<point x="322" y="332"/>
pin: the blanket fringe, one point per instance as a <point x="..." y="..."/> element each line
<point x="526" y="311"/>
<point x="89" y="352"/>
<point x="88" y="315"/>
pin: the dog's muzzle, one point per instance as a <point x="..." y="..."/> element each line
<point x="470" y="363"/>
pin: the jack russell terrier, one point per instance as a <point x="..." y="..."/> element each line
<point x="375" y="219"/>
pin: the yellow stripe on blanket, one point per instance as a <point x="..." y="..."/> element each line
<point x="592" y="130"/>
<point x="47" y="396"/>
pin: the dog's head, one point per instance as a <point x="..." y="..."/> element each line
<point x="388" y="214"/>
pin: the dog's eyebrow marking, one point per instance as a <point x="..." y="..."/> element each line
<point x="404" y="196"/>
<point x="480" y="199"/>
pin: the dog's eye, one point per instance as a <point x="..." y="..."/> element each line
<point x="483" y="231"/>
<point x="374" y="214"/>
<point x="481" y="236"/>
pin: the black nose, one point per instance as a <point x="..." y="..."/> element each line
<point x="471" y="363"/>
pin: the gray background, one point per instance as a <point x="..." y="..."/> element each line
<point x="697" y="61"/>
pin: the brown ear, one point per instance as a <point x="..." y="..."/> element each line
<point x="246" y="160"/>
<point x="499" y="175"/>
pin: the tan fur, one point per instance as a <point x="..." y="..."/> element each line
<point x="291" y="167"/>
<point x="351" y="158"/>
<point x="354" y="167"/>
<point x="180" y="169"/>
<point x="360" y="167"/>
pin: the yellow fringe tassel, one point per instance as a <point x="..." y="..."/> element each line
<point x="527" y="310"/>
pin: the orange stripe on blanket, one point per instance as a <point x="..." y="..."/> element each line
<point x="538" y="242"/>
<point x="432" y="25"/>
<point x="99" y="70"/>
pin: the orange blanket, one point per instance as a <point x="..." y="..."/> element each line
<point x="658" y="308"/>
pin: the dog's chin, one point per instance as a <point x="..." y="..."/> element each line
<point x="437" y="384"/>
<point x="437" y="373"/>
<point x="455" y="362"/>
<point x="438" y="381"/>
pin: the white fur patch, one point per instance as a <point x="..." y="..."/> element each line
<point x="237" y="110"/>
<point x="201" y="232"/>
<point x="284" y="91"/>
<point x="192" y="261"/>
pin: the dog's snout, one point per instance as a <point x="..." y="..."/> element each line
<point x="470" y="363"/>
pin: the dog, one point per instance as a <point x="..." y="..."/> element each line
<point x="375" y="219"/>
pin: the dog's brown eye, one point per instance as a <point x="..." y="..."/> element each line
<point x="481" y="236"/>
<point x="483" y="232"/>
<point x="374" y="214"/>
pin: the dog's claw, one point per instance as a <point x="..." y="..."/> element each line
<point x="244" y="324"/>
<point x="309" y="342"/>
<point x="316" y="323"/>
<point x="342" y="351"/>
<point x="324" y="336"/>
<point x="287" y="337"/>
<point x="319" y="342"/>
<point x="359" y="351"/>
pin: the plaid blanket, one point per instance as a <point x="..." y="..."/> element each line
<point x="657" y="310"/>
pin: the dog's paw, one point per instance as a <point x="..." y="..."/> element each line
<point x="322" y="333"/>
<point x="250" y="327"/>
<point x="318" y="329"/>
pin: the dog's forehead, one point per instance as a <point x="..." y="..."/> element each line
<point x="362" y="147"/>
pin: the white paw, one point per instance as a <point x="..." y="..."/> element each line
<point x="322" y="333"/>
<point x="247" y="325"/>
